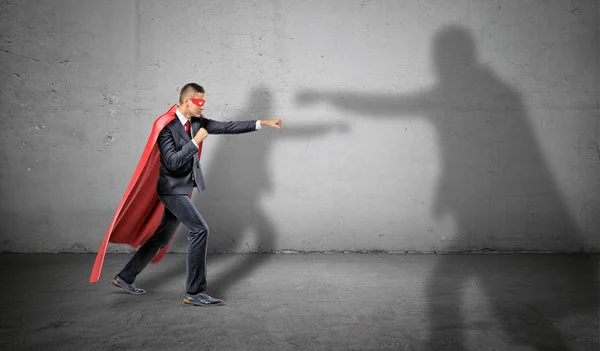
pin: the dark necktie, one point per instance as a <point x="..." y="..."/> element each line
<point x="187" y="129"/>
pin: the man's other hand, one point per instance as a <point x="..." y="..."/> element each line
<point x="200" y="135"/>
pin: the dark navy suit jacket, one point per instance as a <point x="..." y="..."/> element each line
<point x="180" y="168"/>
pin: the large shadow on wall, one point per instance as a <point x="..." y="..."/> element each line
<point x="497" y="186"/>
<point x="238" y="178"/>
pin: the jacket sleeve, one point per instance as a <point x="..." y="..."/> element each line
<point x="172" y="158"/>
<point x="233" y="127"/>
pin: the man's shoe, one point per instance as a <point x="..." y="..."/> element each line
<point x="130" y="288"/>
<point x="201" y="299"/>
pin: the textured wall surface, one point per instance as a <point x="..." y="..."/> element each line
<point x="414" y="125"/>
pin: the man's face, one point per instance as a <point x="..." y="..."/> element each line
<point x="195" y="104"/>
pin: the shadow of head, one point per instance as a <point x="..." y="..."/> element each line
<point x="454" y="51"/>
<point x="259" y="103"/>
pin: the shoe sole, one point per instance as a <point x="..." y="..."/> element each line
<point x="188" y="302"/>
<point x="115" y="283"/>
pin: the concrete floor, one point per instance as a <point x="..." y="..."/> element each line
<point x="307" y="302"/>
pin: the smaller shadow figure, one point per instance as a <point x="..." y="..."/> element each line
<point x="238" y="180"/>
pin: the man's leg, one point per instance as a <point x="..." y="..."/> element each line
<point x="183" y="207"/>
<point x="150" y="248"/>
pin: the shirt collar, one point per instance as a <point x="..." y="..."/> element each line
<point x="181" y="117"/>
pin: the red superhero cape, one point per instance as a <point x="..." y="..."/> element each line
<point x="140" y="211"/>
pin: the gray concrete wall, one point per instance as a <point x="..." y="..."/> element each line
<point x="412" y="125"/>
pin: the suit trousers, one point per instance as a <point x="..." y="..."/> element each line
<point x="178" y="209"/>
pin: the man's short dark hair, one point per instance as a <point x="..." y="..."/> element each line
<point x="190" y="88"/>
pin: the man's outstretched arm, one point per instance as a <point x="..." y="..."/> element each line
<point x="238" y="127"/>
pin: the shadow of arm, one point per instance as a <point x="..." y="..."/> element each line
<point x="376" y="105"/>
<point x="313" y="130"/>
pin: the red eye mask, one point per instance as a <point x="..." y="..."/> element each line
<point x="198" y="102"/>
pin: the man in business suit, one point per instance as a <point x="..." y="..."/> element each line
<point x="180" y="171"/>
